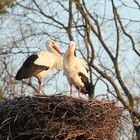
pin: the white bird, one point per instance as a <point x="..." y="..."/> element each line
<point x="76" y="71"/>
<point x="41" y="64"/>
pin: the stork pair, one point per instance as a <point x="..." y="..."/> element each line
<point x="42" y="63"/>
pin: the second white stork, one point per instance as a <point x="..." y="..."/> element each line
<point x="41" y="64"/>
<point x="76" y="71"/>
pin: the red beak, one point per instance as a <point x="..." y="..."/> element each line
<point x="55" y="47"/>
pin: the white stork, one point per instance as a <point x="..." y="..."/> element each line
<point x="41" y="64"/>
<point x="76" y="71"/>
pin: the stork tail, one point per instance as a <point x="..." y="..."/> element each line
<point x="89" y="87"/>
<point x="91" y="90"/>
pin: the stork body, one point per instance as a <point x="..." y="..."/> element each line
<point x="76" y="71"/>
<point x="41" y="64"/>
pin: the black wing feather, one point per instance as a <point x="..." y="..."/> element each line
<point x="30" y="60"/>
<point x="29" y="68"/>
<point x="88" y="86"/>
<point x="85" y="80"/>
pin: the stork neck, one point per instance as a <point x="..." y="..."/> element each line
<point x="70" y="53"/>
<point x="70" y="57"/>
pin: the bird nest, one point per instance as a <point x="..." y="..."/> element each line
<point x="59" y="118"/>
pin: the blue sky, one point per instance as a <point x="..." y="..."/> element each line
<point x="11" y="27"/>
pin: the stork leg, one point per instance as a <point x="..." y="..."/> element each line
<point x="40" y="86"/>
<point x="70" y="90"/>
<point x="79" y="90"/>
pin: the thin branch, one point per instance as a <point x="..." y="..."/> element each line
<point x="68" y="29"/>
<point x="98" y="34"/>
<point x="117" y="31"/>
<point x="41" y="12"/>
<point x="137" y="3"/>
<point x="116" y="66"/>
<point x="127" y="34"/>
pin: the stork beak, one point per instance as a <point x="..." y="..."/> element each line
<point x="56" y="48"/>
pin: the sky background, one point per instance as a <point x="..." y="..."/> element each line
<point x="25" y="19"/>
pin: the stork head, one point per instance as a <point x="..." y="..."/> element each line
<point x="72" y="46"/>
<point x="52" y="47"/>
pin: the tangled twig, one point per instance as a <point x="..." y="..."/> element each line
<point x="59" y="117"/>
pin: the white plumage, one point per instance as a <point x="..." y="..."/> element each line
<point x="75" y="70"/>
<point x="41" y="64"/>
<point x="50" y="60"/>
